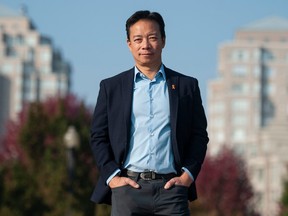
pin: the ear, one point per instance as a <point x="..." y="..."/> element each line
<point x="163" y="42"/>
<point x="128" y="43"/>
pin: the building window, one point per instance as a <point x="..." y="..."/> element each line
<point x="218" y="122"/>
<point x="268" y="107"/>
<point x="10" y="52"/>
<point x="239" y="88"/>
<point x="217" y="107"/>
<point x="240" y="71"/>
<point x="269" y="89"/>
<point x="26" y="83"/>
<point x="49" y="84"/>
<point x="268" y="112"/>
<point x="240" y="105"/>
<point x="46" y="56"/>
<point x="238" y="135"/>
<point x="62" y="86"/>
<point x="45" y="69"/>
<point x="26" y="88"/>
<point x="220" y="137"/>
<point x="239" y="120"/>
<point x="267" y="56"/>
<point x="19" y="40"/>
<point x="240" y="56"/>
<point x="8" y="40"/>
<point x="28" y="68"/>
<point x="256" y="54"/>
<point x="12" y="40"/>
<point x="30" y="55"/>
<point x="269" y="72"/>
<point x="7" y="68"/>
<point x="31" y="41"/>
<point x="256" y="71"/>
<point x="18" y="107"/>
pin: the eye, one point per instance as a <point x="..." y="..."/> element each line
<point x="153" y="38"/>
<point x="137" y="40"/>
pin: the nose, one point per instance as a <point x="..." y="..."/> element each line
<point x="145" y="43"/>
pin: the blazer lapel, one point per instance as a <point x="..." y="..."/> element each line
<point x="172" y="83"/>
<point x="173" y="89"/>
<point x="127" y="95"/>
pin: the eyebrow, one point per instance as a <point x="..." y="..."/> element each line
<point x="135" y="36"/>
<point x="152" y="33"/>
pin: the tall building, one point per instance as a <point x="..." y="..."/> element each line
<point x="248" y="106"/>
<point x="31" y="69"/>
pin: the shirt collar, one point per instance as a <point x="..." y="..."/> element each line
<point x="137" y="73"/>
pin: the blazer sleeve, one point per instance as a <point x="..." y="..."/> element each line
<point x="100" y="141"/>
<point x="196" y="150"/>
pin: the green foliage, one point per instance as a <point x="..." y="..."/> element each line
<point x="284" y="200"/>
<point x="103" y="210"/>
<point x="37" y="181"/>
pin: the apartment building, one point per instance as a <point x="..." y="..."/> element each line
<point x="248" y="106"/>
<point x="31" y="68"/>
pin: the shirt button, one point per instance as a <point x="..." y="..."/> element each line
<point x="152" y="134"/>
<point x="151" y="116"/>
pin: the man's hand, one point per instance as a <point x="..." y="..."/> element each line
<point x="118" y="181"/>
<point x="184" y="180"/>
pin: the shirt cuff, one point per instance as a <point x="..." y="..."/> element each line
<point x="113" y="175"/>
<point x="188" y="172"/>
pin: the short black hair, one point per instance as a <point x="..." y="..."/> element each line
<point x="145" y="14"/>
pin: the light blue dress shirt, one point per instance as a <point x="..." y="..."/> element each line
<point x="150" y="134"/>
<point x="150" y="146"/>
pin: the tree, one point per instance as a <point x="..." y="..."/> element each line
<point x="223" y="186"/>
<point x="33" y="172"/>
<point x="284" y="200"/>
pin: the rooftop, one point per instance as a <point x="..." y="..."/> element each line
<point x="7" y="12"/>
<point x="267" y="24"/>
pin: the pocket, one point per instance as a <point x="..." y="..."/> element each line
<point x="120" y="187"/>
<point x="183" y="186"/>
<point x="180" y="188"/>
<point x="177" y="193"/>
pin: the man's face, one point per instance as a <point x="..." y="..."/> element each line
<point x="146" y="43"/>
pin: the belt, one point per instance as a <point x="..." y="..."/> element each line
<point x="149" y="175"/>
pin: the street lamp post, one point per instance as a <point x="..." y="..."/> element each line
<point x="71" y="141"/>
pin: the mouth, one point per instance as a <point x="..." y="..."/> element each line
<point x="146" y="54"/>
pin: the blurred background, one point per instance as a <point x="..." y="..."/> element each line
<point x="53" y="54"/>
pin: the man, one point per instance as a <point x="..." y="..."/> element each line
<point x="148" y="134"/>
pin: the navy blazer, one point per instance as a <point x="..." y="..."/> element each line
<point x="111" y="123"/>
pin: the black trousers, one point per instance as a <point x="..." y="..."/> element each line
<point x="150" y="199"/>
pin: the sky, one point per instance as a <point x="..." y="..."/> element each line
<point x="91" y="34"/>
